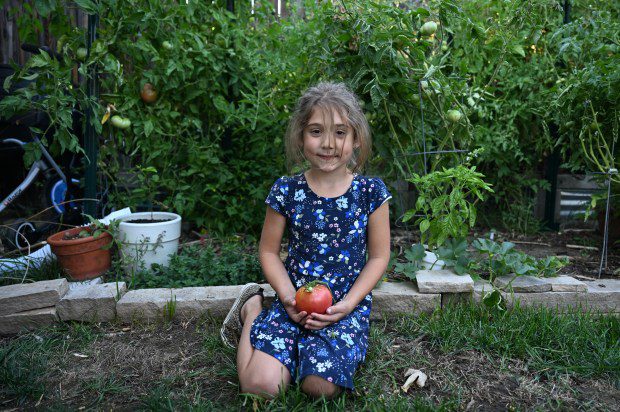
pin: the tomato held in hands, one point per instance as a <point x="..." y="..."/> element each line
<point x="314" y="297"/>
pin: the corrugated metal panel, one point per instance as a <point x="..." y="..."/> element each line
<point x="574" y="194"/>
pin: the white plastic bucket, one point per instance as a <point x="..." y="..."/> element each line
<point x="144" y="244"/>
<point x="430" y="261"/>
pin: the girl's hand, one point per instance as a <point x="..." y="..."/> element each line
<point x="297" y="317"/>
<point x="334" y="314"/>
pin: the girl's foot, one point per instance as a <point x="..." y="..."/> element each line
<point x="231" y="328"/>
<point x="252" y="305"/>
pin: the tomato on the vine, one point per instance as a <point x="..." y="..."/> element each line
<point x="148" y="94"/>
<point x="167" y="45"/>
<point x="120" y="122"/>
<point x="81" y="53"/>
<point x="428" y="28"/>
<point x="313" y="297"/>
<point x="454" y="115"/>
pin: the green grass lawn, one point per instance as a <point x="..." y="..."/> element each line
<point x="525" y="359"/>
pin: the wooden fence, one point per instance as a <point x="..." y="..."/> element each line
<point x="10" y="14"/>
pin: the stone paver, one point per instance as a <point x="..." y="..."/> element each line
<point x="91" y="303"/>
<point x="401" y="297"/>
<point x="148" y="304"/>
<point x="602" y="296"/>
<point x="83" y="283"/>
<point x="27" y="320"/>
<point x="566" y="284"/>
<point x="27" y="296"/>
<point x="522" y="284"/>
<point x="443" y="281"/>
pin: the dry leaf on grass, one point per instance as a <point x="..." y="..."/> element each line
<point x="414" y="376"/>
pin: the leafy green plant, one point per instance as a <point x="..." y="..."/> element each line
<point x="495" y="75"/>
<point x="212" y="264"/>
<point x="501" y="259"/>
<point x="148" y="186"/>
<point x="413" y="261"/>
<point x="455" y="255"/>
<point x="446" y="203"/>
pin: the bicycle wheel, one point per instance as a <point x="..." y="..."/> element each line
<point x="55" y="192"/>
<point x="19" y="233"/>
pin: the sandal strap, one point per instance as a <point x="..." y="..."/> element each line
<point x="259" y="292"/>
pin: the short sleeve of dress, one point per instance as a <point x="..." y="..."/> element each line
<point x="277" y="198"/>
<point x="378" y="194"/>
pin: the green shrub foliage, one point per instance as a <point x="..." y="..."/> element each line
<point x="519" y="78"/>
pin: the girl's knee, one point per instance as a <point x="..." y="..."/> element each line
<point x="316" y="387"/>
<point x="263" y="383"/>
<point x="262" y="386"/>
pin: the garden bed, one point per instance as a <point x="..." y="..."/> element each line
<point x="581" y="247"/>
<point x="527" y="359"/>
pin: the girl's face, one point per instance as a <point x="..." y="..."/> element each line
<point x="328" y="143"/>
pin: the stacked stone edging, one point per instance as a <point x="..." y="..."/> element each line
<point x="26" y="296"/>
<point x="34" y="305"/>
<point x="93" y="303"/>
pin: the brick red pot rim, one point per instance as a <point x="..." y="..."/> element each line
<point x="56" y="240"/>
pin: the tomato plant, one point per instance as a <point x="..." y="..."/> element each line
<point x="313" y="297"/>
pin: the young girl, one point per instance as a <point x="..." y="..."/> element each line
<point x="334" y="217"/>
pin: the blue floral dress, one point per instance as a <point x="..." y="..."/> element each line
<point x="327" y="241"/>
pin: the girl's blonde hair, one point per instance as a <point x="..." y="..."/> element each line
<point x="328" y="97"/>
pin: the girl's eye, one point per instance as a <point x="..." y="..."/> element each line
<point x="341" y="133"/>
<point x="315" y="131"/>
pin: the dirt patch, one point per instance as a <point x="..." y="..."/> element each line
<point x="148" y="366"/>
<point x="124" y="367"/>
<point x="487" y="383"/>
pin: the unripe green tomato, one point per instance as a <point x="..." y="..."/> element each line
<point x="454" y="115"/>
<point x="593" y="126"/>
<point x="428" y="28"/>
<point x="167" y="45"/>
<point x="120" y="122"/>
<point x="81" y="53"/>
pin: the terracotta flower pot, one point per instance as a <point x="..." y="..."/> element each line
<point x="81" y="258"/>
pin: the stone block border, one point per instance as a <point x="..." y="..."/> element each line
<point x="29" y="306"/>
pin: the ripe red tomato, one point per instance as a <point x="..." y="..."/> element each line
<point x="314" y="297"/>
<point x="148" y="94"/>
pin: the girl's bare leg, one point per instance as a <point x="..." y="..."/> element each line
<point x="259" y="373"/>
<point x="316" y="387"/>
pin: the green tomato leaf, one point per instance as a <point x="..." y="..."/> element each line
<point x="424" y="225"/>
